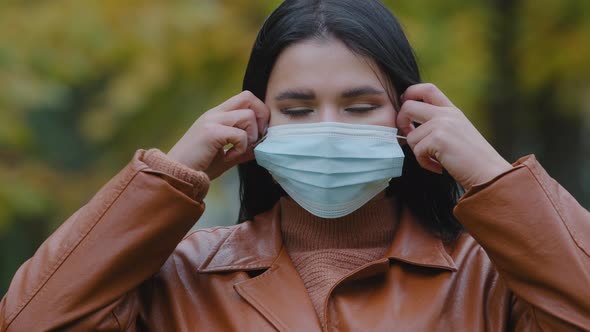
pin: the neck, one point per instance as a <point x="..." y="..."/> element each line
<point x="371" y="226"/>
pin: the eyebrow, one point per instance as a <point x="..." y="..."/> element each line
<point x="305" y="94"/>
<point x="296" y="94"/>
<point x="362" y="91"/>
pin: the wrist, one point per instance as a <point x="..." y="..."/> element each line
<point x="179" y="157"/>
<point x="491" y="173"/>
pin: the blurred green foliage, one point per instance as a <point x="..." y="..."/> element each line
<point x="83" y="84"/>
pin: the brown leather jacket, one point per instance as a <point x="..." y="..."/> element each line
<point x="117" y="265"/>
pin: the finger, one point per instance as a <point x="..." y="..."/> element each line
<point x="426" y="155"/>
<point x="247" y="100"/>
<point x="231" y="161"/>
<point x="418" y="134"/>
<point x="412" y="110"/>
<point x="244" y="157"/>
<point x="244" y="119"/>
<point x="236" y="137"/>
<point x="428" y="93"/>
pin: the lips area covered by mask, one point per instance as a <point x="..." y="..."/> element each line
<point x="331" y="169"/>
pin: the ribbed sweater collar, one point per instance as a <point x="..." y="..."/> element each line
<point x="371" y="226"/>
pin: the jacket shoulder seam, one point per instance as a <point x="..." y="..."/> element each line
<point x="541" y="181"/>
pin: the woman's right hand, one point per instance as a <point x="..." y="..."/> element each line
<point x="239" y="121"/>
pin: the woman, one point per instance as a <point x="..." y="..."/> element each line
<point x="334" y="235"/>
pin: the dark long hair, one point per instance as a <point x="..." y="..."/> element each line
<point x="369" y="29"/>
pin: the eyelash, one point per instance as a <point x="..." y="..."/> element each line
<point x="362" y="109"/>
<point x="297" y="112"/>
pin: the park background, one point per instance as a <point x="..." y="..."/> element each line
<point x="84" y="84"/>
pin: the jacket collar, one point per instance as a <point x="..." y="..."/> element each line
<point x="252" y="245"/>
<point x="256" y="244"/>
<point x="413" y="244"/>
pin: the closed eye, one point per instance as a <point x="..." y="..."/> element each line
<point x="362" y="109"/>
<point x="296" y="111"/>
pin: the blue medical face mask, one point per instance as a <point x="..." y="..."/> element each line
<point x="331" y="169"/>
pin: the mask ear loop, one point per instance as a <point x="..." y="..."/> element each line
<point x="260" y="140"/>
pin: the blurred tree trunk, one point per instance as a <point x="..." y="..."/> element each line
<point x="504" y="104"/>
<point x="523" y="123"/>
<point x="560" y="134"/>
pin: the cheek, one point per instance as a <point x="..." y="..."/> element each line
<point x="387" y="117"/>
<point x="277" y="118"/>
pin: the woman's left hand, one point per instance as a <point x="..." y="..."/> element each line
<point x="446" y="138"/>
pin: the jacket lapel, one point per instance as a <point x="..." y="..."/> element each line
<point x="252" y="245"/>
<point x="280" y="296"/>
<point x="413" y="244"/>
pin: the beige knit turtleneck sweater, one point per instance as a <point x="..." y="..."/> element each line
<point x="325" y="250"/>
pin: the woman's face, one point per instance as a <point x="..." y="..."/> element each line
<point x="323" y="81"/>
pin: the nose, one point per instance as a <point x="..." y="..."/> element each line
<point x="330" y="114"/>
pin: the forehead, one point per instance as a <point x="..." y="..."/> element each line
<point x="324" y="65"/>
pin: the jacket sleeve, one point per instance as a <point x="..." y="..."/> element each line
<point x="120" y="238"/>
<point x="538" y="237"/>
